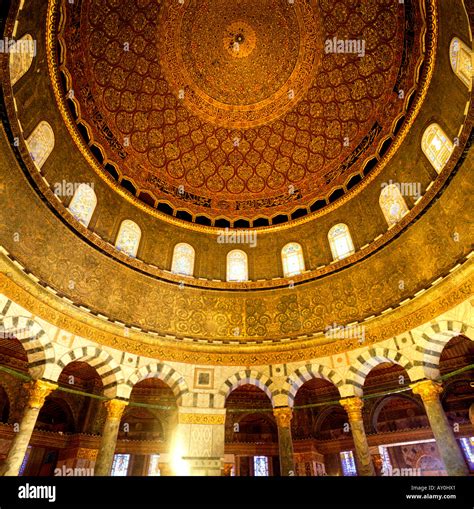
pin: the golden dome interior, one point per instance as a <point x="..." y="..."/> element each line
<point x="259" y="132"/>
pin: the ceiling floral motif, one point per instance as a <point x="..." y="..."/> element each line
<point x="240" y="110"/>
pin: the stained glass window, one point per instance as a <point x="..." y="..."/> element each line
<point x="25" y="461"/>
<point x="293" y="260"/>
<point x="340" y="241"/>
<point x="120" y="465"/>
<point x="21" y="57"/>
<point x="348" y="463"/>
<point x="183" y="260"/>
<point x="40" y="143"/>
<point x="467" y="445"/>
<point x="153" y="466"/>
<point x="128" y="238"/>
<point x="83" y="204"/>
<point x="392" y="204"/>
<point x="436" y="146"/>
<point x="461" y="61"/>
<point x="237" y="266"/>
<point x="386" y="463"/>
<point x="260" y="466"/>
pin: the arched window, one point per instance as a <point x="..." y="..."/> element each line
<point x="436" y="146"/>
<point x="128" y="238"/>
<point x="40" y="143"/>
<point x="293" y="260"/>
<point x="83" y="204"/>
<point x="237" y="266"/>
<point x="340" y="241"/>
<point x="392" y="204"/>
<point x="183" y="260"/>
<point x="461" y="61"/>
<point x="21" y="57"/>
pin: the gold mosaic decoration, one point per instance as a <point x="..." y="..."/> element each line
<point x="240" y="39"/>
<point x="174" y="99"/>
<point x="263" y="82"/>
<point x="456" y="289"/>
<point x="205" y="419"/>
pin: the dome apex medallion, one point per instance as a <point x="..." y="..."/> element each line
<point x="240" y="39"/>
<point x="275" y="49"/>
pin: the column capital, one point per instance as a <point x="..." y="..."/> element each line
<point x="38" y="391"/>
<point x="429" y="390"/>
<point x="115" y="408"/>
<point x="283" y="416"/>
<point x="353" y="406"/>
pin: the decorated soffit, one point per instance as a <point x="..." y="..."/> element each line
<point x="239" y="110"/>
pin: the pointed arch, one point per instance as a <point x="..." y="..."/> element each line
<point x="40" y="143"/>
<point x="183" y="259"/>
<point x="436" y="146"/>
<point x="83" y="204"/>
<point x="371" y="358"/>
<point x="384" y="400"/>
<point x="305" y="373"/>
<point x="431" y="342"/>
<point x="292" y="259"/>
<point x="340" y="241"/>
<point x="38" y="346"/>
<point x="107" y="368"/>
<point x="128" y="238"/>
<point x="248" y="377"/>
<point x="167" y="374"/>
<point x="393" y="204"/>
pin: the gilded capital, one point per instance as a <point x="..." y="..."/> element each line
<point x="353" y="407"/>
<point x="429" y="390"/>
<point x="38" y="391"/>
<point x="283" y="416"/>
<point x="115" y="408"/>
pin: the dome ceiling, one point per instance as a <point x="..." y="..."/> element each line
<point x="398" y="278"/>
<point x="239" y="109"/>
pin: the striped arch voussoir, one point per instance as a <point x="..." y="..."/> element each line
<point x="371" y="358"/>
<point x="35" y="341"/>
<point x="432" y="341"/>
<point x="107" y="368"/>
<point x="165" y="373"/>
<point x="251" y="377"/>
<point x="306" y="373"/>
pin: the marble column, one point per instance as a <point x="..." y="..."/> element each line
<point x="38" y="391"/>
<point x="448" y="446"/>
<point x="283" y="416"/>
<point x="353" y="407"/>
<point x="108" y="442"/>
